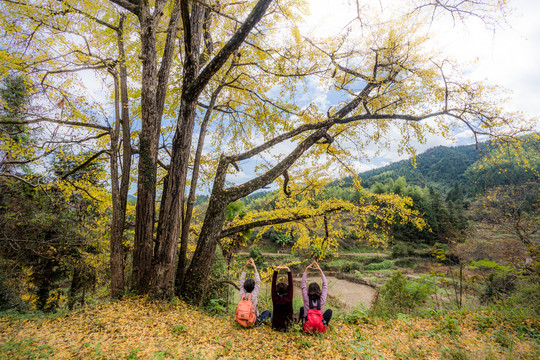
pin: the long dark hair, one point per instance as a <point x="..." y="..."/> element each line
<point x="282" y="289"/>
<point x="249" y="285"/>
<point x="314" y="291"/>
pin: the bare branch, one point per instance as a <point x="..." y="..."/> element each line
<point x="26" y="161"/>
<point x="230" y="47"/>
<point x="91" y="17"/>
<point x="220" y="282"/>
<point x="83" y="190"/>
<point x="130" y="5"/>
<point x="84" y="164"/>
<point x="63" y="122"/>
<point x="20" y="179"/>
<point x="214" y="9"/>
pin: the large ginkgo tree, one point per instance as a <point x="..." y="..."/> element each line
<point x="194" y="91"/>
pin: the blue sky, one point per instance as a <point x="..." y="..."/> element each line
<point x="509" y="57"/>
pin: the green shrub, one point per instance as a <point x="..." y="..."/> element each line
<point x="400" y="250"/>
<point x="400" y="295"/>
<point x="499" y="282"/>
<point x="284" y="239"/>
<point x="216" y="306"/>
<point x="449" y="325"/>
<point x="8" y="297"/>
<point x="384" y="265"/>
<point x="497" y="286"/>
<point x="357" y="316"/>
<point x="527" y="293"/>
<point x="406" y="263"/>
<point x="349" y="266"/>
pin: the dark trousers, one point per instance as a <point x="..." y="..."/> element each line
<point x="263" y="316"/>
<point x="326" y="316"/>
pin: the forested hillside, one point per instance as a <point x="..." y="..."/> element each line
<point x="442" y="167"/>
<point x="439" y="167"/>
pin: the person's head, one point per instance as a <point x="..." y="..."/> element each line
<point x="282" y="289"/>
<point x="314" y="291"/>
<point x="249" y="285"/>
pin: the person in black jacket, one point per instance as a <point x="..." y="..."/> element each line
<point x="282" y="298"/>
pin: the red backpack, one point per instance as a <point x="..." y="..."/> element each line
<point x="245" y="315"/>
<point x="314" y="323"/>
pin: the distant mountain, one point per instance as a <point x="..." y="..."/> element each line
<point x="439" y="167"/>
<point x="473" y="168"/>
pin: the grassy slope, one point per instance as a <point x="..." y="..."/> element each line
<point x="135" y="329"/>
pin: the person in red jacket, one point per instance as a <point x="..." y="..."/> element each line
<point x="282" y="298"/>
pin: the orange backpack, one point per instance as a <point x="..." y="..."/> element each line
<point x="245" y="315"/>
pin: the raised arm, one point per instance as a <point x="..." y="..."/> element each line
<point x="291" y="288"/>
<point x="305" y="296"/>
<point x="274" y="280"/>
<point x="242" y="280"/>
<point x="324" y="290"/>
<point x="257" y="278"/>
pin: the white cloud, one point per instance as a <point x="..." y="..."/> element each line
<point x="509" y="57"/>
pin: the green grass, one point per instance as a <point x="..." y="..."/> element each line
<point x="24" y="349"/>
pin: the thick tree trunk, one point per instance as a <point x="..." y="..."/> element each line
<point x="192" y="86"/>
<point x="75" y="286"/>
<point x="170" y="216"/>
<point x="148" y="151"/>
<point x="196" y="277"/>
<point x="194" y="285"/>
<point x="117" y="222"/>
<point x="120" y="194"/>
<point x="186" y="222"/>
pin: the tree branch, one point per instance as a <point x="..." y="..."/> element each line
<point x="83" y="190"/>
<point x="213" y="8"/>
<point x="219" y="282"/>
<point x="27" y="160"/>
<point x="63" y="122"/>
<point x="245" y="189"/>
<point x="84" y="164"/>
<point x="130" y="5"/>
<point x="20" y="179"/>
<point x="259" y="223"/>
<point x="230" y="47"/>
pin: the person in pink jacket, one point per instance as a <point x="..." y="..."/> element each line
<point x="252" y="286"/>
<point x="314" y="297"/>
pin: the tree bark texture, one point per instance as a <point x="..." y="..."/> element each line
<point x="117" y="222"/>
<point x="170" y="216"/>
<point x="148" y="151"/>
<point x="194" y="285"/>
<point x="120" y="194"/>
<point x="186" y="221"/>
<point x="192" y="86"/>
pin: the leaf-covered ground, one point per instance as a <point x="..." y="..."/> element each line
<point x="136" y="329"/>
